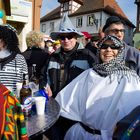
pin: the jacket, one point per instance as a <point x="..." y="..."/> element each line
<point x="35" y="55"/>
<point x="63" y="67"/>
<point x="132" y="58"/>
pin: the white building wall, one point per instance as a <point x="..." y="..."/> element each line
<point x="75" y="6"/>
<point x="91" y="29"/>
<point x="21" y="12"/>
<point x="100" y="16"/>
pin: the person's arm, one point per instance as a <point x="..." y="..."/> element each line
<point x="48" y="90"/>
<point x="132" y="58"/>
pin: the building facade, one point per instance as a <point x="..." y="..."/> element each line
<point x="137" y="31"/>
<point x="24" y="15"/>
<point x="86" y="15"/>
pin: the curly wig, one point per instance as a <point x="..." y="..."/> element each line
<point x="34" y="38"/>
<point x="9" y="37"/>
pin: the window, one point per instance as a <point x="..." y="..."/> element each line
<point x="79" y="22"/>
<point x="90" y="20"/>
<point x="43" y="28"/>
<point x="51" y="26"/>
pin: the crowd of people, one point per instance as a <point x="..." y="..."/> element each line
<point x="95" y="80"/>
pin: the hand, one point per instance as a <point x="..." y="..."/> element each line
<point x="48" y="90"/>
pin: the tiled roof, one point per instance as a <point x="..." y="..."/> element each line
<point x="109" y="6"/>
<point x="52" y="15"/>
<point x="97" y="5"/>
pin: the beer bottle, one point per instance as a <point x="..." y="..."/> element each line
<point x="25" y="91"/>
<point x="34" y="75"/>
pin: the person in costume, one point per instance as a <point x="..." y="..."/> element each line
<point x="101" y="96"/>
<point x="12" y="63"/>
<point x="116" y="26"/>
<point x="70" y="60"/>
<point x="12" y="123"/>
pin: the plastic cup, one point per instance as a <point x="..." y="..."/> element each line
<point x="40" y="105"/>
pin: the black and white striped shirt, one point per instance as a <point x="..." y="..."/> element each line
<point x="12" y="72"/>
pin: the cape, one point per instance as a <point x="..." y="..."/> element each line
<point x="12" y="123"/>
<point x="98" y="102"/>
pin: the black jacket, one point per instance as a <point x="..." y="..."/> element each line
<point x="63" y="67"/>
<point x="36" y="56"/>
<point x="92" y="48"/>
<point x="132" y="58"/>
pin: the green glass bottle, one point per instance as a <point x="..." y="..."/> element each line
<point x="25" y="91"/>
<point x="33" y="77"/>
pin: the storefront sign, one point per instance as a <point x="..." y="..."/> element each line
<point x="20" y="7"/>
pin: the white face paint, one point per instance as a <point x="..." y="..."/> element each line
<point x="4" y="53"/>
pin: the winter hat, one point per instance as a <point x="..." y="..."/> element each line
<point x="65" y="27"/>
<point x="110" y="20"/>
<point x="87" y="35"/>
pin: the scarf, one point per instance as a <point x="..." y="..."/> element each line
<point x="116" y="65"/>
<point x="12" y="124"/>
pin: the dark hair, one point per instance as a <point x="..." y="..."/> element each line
<point x="10" y="38"/>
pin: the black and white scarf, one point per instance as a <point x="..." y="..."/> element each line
<point x="116" y="65"/>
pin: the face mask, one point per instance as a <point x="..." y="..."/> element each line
<point x="4" y="53"/>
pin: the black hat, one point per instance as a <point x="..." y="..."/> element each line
<point x="110" y="20"/>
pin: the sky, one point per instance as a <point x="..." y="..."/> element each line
<point x="128" y="7"/>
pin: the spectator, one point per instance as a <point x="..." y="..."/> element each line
<point x="12" y="63"/>
<point x="70" y="60"/>
<point x="95" y="40"/>
<point x="99" y="97"/>
<point x="35" y="53"/>
<point x="64" y="65"/>
<point x="49" y="46"/>
<point x="115" y="26"/>
<point x="56" y="45"/>
<point x="88" y="43"/>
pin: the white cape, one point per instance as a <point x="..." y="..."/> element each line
<point x="98" y="102"/>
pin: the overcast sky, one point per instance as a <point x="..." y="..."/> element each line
<point x="127" y="6"/>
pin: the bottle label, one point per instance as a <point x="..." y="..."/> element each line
<point x="26" y="86"/>
<point x="27" y="104"/>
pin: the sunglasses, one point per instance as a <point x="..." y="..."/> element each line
<point x="66" y="36"/>
<point x="117" y="31"/>
<point x="112" y="46"/>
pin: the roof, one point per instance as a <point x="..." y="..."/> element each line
<point x="54" y="14"/>
<point x="78" y="1"/>
<point x="90" y="6"/>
